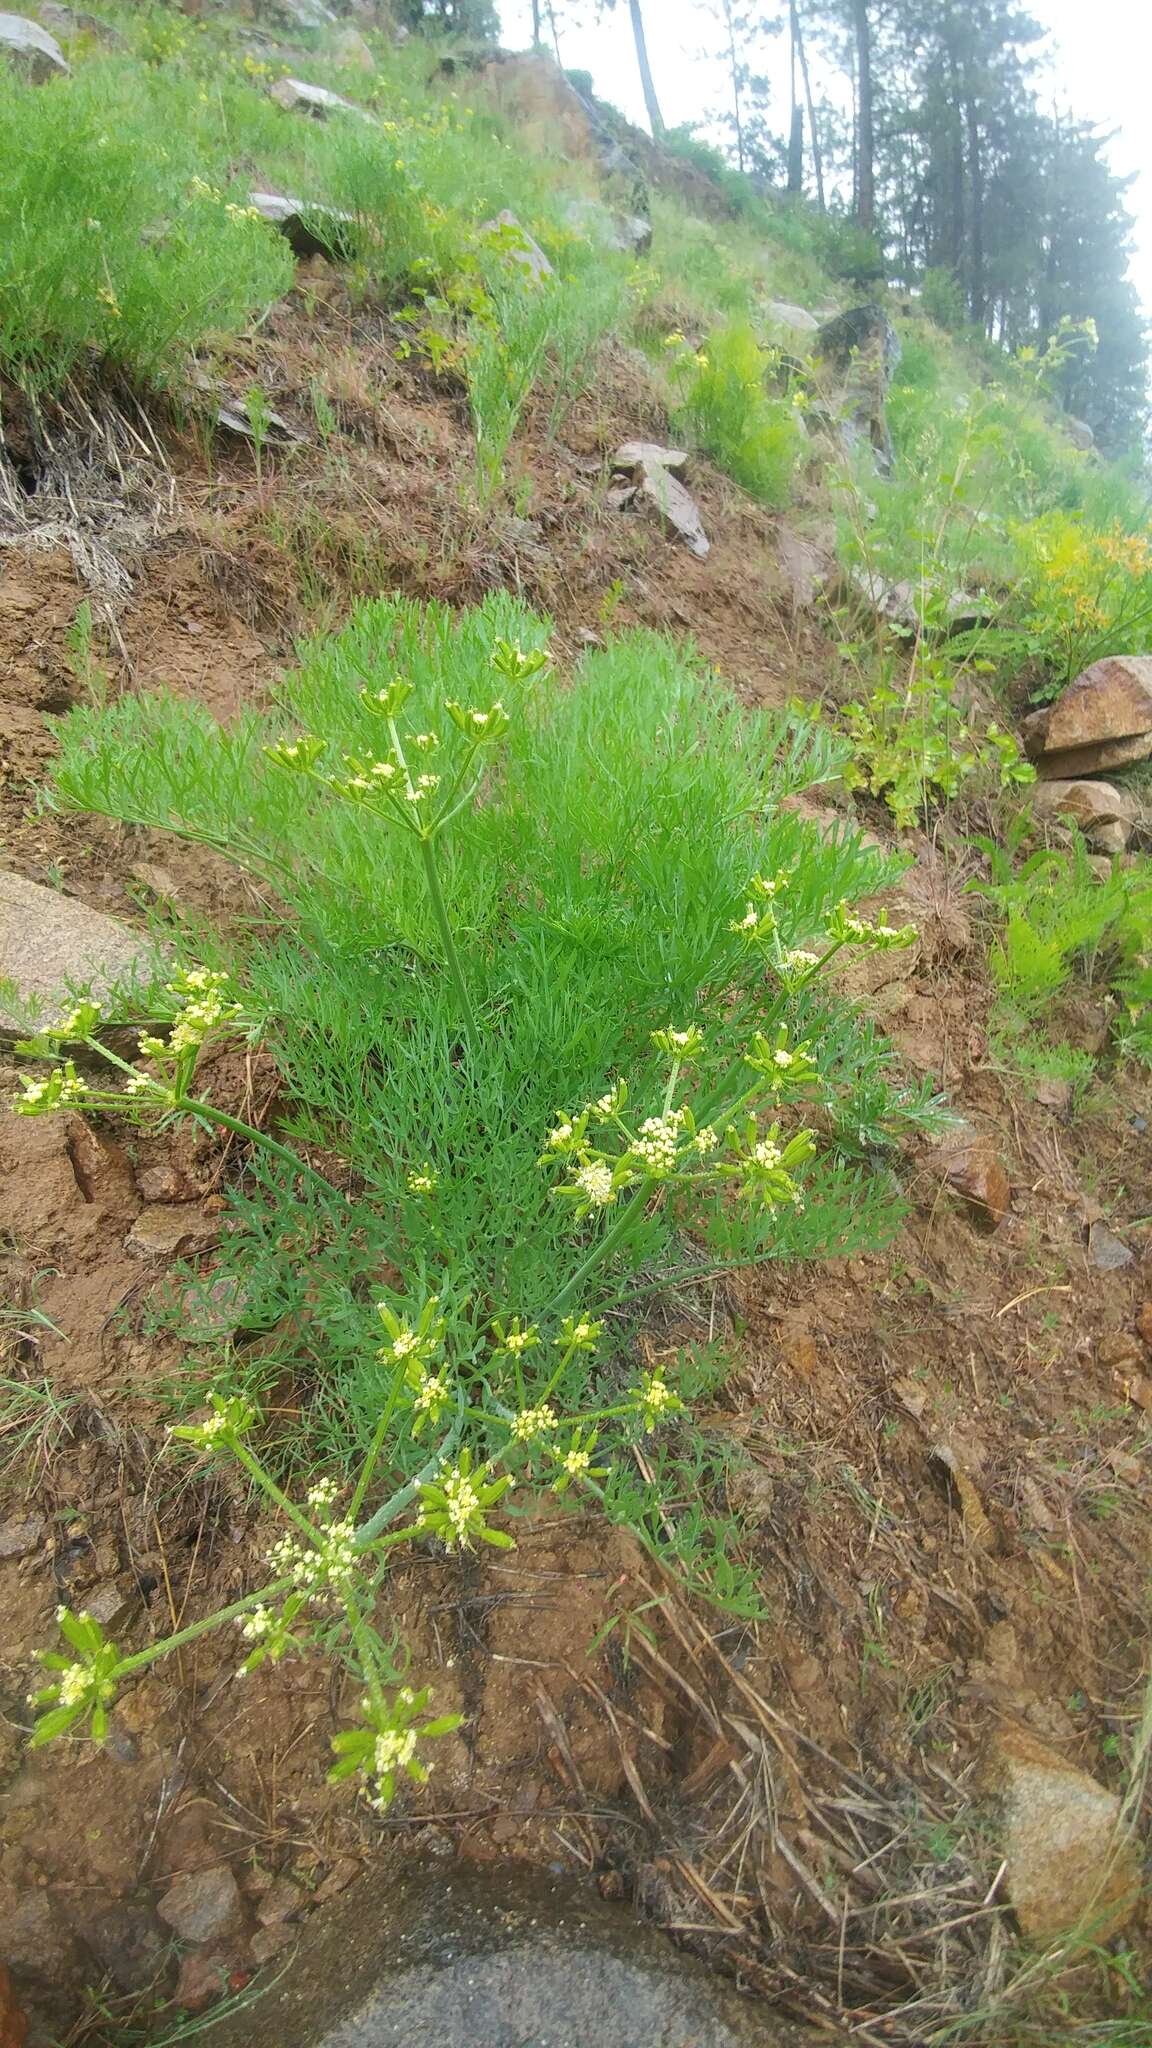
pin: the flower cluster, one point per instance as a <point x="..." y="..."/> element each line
<point x="654" y="1400"/>
<point x="61" y="1089"/>
<point x="326" y="1565"/>
<point x="230" y="1419"/>
<point x="455" y="1505"/>
<point x="605" y="1156"/>
<point x="84" y="1684"/>
<point x="386" y="1745"/>
<point x="413" y="1347"/>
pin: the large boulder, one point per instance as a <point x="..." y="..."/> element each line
<point x="30" y="48"/>
<point x="73" y="23"/>
<point x="1102" y="720"/>
<point x="492" y="1958"/>
<point x="856" y="354"/>
<point x="50" y="943"/>
<point x="781" y="314"/>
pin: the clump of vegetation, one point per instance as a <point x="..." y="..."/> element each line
<point x="1060" y="925"/>
<point x="726" y="407"/>
<point x="113" y="249"/>
<point x="913" y="746"/>
<point x="553" y="990"/>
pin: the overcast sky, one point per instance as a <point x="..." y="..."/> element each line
<point x="1101" y="52"/>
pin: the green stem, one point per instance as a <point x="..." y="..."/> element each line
<point x="268" y="1485"/>
<point x="192" y="1106"/>
<point x="620" y="1230"/>
<point x="376" y="1445"/>
<point x="436" y="896"/>
<point x="196" y="1629"/>
<point x="399" y="1501"/>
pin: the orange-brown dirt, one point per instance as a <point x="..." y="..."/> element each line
<point x="945" y="1448"/>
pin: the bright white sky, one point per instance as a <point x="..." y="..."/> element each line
<point x="1101" y="68"/>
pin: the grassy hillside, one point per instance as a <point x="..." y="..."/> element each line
<point x="589" y="1041"/>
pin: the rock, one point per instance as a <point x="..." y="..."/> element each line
<point x="314" y="100"/>
<point x="972" y="1169"/>
<point x="160" y="882"/>
<point x="282" y="1899"/>
<point x="465" y="1957"/>
<point x="49" y="943"/>
<point x="111" y="1604"/>
<point x="1069" y="1867"/>
<point x="809" y="566"/>
<point x="270" y="1941"/>
<point x="309" y="230"/>
<point x="902" y="604"/>
<point x="169" y="1230"/>
<point x="630" y="234"/>
<point x="781" y="314"/>
<point x="13" y="2020"/>
<point x="213" y="1308"/>
<point x="71" y="21"/>
<point x="859" y="350"/>
<point x="1106" y="1251"/>
<point x="348" y="47"/>
<point x="276" y="428"/>
<point x="1104" y="813"/>
<point x="1100" y="721"/>
<point x="103" y="1174"/>
<point x="36" y="54"/>
<point x="635" y="454"/>
<point x="1079" y="433"/>
<point x="202" y="1980"/>
<point x="305" y="14"/>
<point x="19" y="1539"/>
<point x="203" y="1905"/>
<point x="677" y="508"/>
<point x="518" y="245"/>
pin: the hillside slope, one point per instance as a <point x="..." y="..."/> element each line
<point x="784" y="1650"/>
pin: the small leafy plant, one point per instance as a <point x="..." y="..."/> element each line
<point x="912" y="746"/>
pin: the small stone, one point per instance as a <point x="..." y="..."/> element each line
<point x="1069" y="1866"/>
<point x="213" y="1308"/>
<point x="103" y="1174"/>
<point x="972" y="1169"/>
<point x="282" y="1899"/>
<point x="110" y="1604"/>
<point x="34" y="52"/>
<point x="1104" y="813"/>
<point x="169" y="1230"/>
<point x="72" y="21"/>
<point x="158" y="881"/>
<point x="275" y="428"/>
<point x="203" y="1905"/>
<point x="520" y="246"/>
<point x="202" y="1980"/>
<point x="1105" y="1249"/>
<point x="268" y="1942"/>
<point x="20" y="1539"/>
<point x="678" y="510"/>
<point x="49" y="943"/>
<point x="309" y="230"/>
<point x="635" y="454"/>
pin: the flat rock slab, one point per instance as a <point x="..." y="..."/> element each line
<point x="1100" y="721"/>
<point x="492" y="1958"/>
<point x="315" y="100"/>
<point x="677" y="508"/>
<point x="50" y="943"/>
<point x="309" y="230"/>
<point x="635" y="454"/>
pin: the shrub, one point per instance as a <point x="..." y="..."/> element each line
<point x="725" y="406"/>
<point x="1081" y="594"/>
